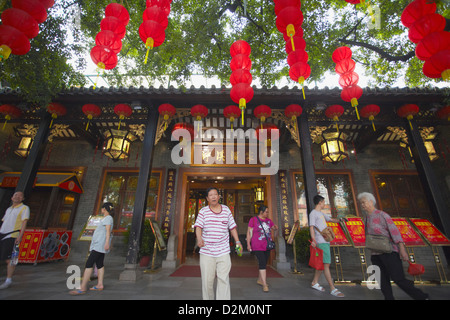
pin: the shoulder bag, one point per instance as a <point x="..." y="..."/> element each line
<point x="327" y="233"/>
<point x="270" y="243"/>
<point x="378" y="242"/>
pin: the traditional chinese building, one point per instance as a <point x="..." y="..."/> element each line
<point x="69" y="165"/>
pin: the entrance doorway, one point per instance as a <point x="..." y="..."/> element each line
<point x="243" y="195"/>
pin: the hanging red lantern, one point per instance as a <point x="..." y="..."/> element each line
<point x="241" y="93"/>
<point x="299" y="72"/>
<point x="240" y="61"/>
<point x="186" y="126"/>
<point x="152" y="34"/>
<point x="91" y="111"/>
<point x="349" y="78"/>
<point x="354" y="1"/>
<point x="109" y="39"/>
<point x="293" y="111"/>
<point x="272" y="133"/>
<point x="56" y="109"/>
<point x="10" y="112"/>
<point x="157" y="14"/>
<point x="262" y="112"/>
<point x="408" y="111"/>
<point x="241" y="76"/>
<point x="113" y="24"/>
<point x="103" y="57"/>
<point x="281" y="4"/>
<point x="240" y="47"/>
<point x="438" y="65"/>
<point x="123" y="110"/>
<point x="288" y="19"/>
<point x="341" y="53"/>
<point x="297" y="56"/>
<point x="13" y="41"/>
<point x="370" y="111"/>
<point x="35" y="8"/>
<point x="163" y="4"/>
<point x="199" y="112"/>
<point x="22" y="21"/>
<point x="167" y="111"/>
<point x="415" y="10"/>
<point x="433" y="43"/>
<point x="232" y="112"/>
<point x="119" y="11"/>
<point x="334" y="112"/>
<point x="352" y="94"/>
<point x="443" y="113"/>
<point x="345" y="65"/>
<point x="296" y="43"/>
<point x="426" y="25"/>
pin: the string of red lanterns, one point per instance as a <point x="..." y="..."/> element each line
<point x="426" y="29"/>
<point x="289" y="22"/>
<point x="348" y="78"/>
<point x="20" y="24"/>
<point x="108" y="42"/>
<point x="152" y="30"/>
<point x="241" y="78"/>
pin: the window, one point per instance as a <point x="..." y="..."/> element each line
<point x="401" y="194"/>
<point x="119" y="188"/>
<point x="337" y="190"/>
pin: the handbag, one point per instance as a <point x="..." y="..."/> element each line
<point x="315" y="258"/>
<point x="327" y="233"/>
<point x="378" y="243"/>
<point x="415" y="269"/>
<point x="270" y="243"/>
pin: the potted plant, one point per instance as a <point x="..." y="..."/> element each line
<point x="147" y="243"/>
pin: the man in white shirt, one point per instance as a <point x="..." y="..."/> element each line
<point x="212" y="227"/>
<point x="11" y="232"/>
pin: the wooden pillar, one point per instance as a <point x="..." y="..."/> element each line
<point x="34" y="158"/>
<point x="309" y="174"/>
<point x="137" y="223"/>
<point x="430" y="185"/>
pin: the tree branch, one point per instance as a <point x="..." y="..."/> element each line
<point x="380" y="51"/>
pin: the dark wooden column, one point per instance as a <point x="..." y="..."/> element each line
<point x="430" y="185"/>
<point x="309" y="174"/>
<point x="145" y="171"/>
<point x="34" y="158"/>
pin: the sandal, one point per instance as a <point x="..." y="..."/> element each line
<point x="337" y="293"/>
<point x="77" y="292"/>
<point x="318" y="287"/>
<point x="266" y="288"/>
<point x="94" y="288"/>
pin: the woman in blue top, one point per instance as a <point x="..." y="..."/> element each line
<point x="100" y="244"/>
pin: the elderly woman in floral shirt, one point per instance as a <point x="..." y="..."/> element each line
<point x="380" y="223"/>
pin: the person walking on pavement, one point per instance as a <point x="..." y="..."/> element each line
<point x="212" y="228"/>
<point x="318" y="222"/>
<point x="11" y="232"/>
<point x="378" y="222"/>
<point x="100" y="245"/>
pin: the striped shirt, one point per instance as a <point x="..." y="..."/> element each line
<point x="215" y="233"/>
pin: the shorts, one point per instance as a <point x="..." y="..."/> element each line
<point x="326" y="252"/>
<point x="6" y="248"/>
<point x="97" y="258"/>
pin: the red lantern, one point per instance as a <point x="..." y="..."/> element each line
<point x="438" y="65"/>
<point x="123" y="111"/>
<point x="104" y="57"/>
<point x="186" y="126"/>
<point x="167" y="111"/>
<point x="426" y="25"/>
<point x="354" y="1"/>
<point x="415" y="10"/>
<point x="341" y="53"/>
<point x="345" y="65"/>
<point x="288" y="20"/>
<point x="370" y="111"/>
<point x="109" y="39"/>
<point x="199" y="112"/>
<point x="262" y="112"/>
<point x="443" y="113"/>
<point x="35" y="8"/>
<point x="272" y="133"/>
<point x="433" y="43"/>
<point x="408" y="111"/>
<point x="352" y="94"/>
<point x="232" y="112"/>
<point x="240" y="47"/>
<point x="22" y="21"/>
<point x="299" y="72"/>
<point x="113" y="24"/>
<point x="293" y="111"/>
<point x="157" y="14"/>
<point x="297" y="56"/>
<point x="241" y="93"/>
<point x="240" y="61"/>
<point x="10" y="112"/>
<point x="119" y="11"/>
<point x="241" y="76"/>
<point x="296" y="43"/>
<point x="334" y="112"/>
<point x="13" y="41"/>
<point x="91" y="111"/>
<point x="348" y="79"/>
<point x="281" y="4"/>
<point x="152" y="34"/>
<point x="163" y="4"/>
<point x="56" y="109"/>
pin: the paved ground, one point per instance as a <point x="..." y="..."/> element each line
<point x="48" y="281"/>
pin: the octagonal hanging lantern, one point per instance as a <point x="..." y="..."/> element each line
<point x="332" y="146"/>
<point x="117" y="144"/>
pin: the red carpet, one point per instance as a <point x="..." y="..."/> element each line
<point x="236" y="272"/>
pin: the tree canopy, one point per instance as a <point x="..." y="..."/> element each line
<point x="198" y="38"/>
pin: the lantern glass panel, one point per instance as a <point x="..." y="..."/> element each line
<point x="430" y="150"/>
<point x="118" y="144"/>
<point x="24" y="147"/>
<point x="333" y="147"/>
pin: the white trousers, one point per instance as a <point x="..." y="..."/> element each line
<point x="210" y="267"/>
